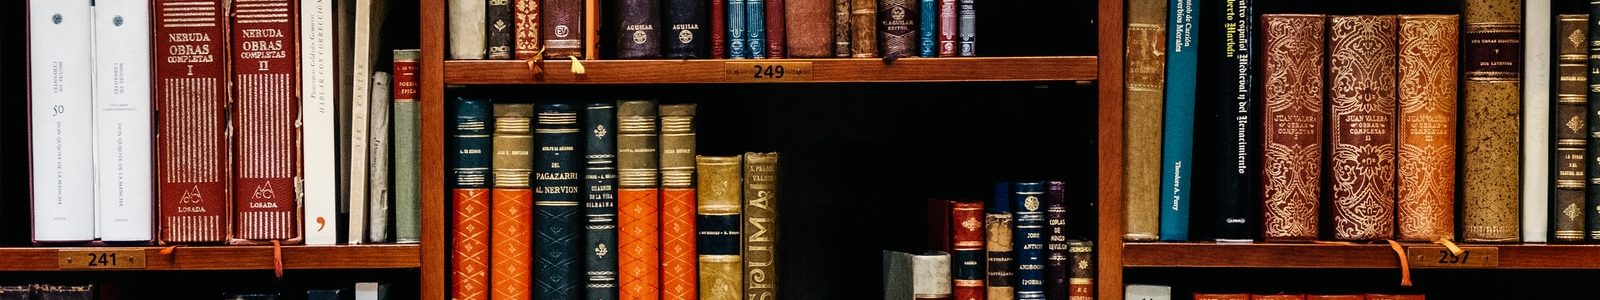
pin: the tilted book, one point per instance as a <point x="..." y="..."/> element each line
<point x="1361" y="120"/>
<point x="719" y="189"/>
<point x="528" y="16"/>
<point x="897" y="27"/>
<point x="678" y="278"/>
<point x="637" y="35"/>
<point x="369" y="16"/>
<point x="1426" y="133"/>
<point x="61" y="136"/>
<point x="467" y="29"/>
<point x="1568" y="211"/>
<point x="760" y="225"/>
<point x="1236" y="195"/>
<point x="1291" y="123"/>
<point x="685" y="35"/>
<point x="1145" y="80"/>
<point x="1028" y="206"/>
<point x="1490" y="124"/>
<point x="556" y="223"/>
<point x="755" y="28"/>
<point x="318" y="104"/>
<point x="1536" y="123"/>
<point x="122" y="121"/>
<point x="638" y="196"/>
<point x="1000" y="281"/>
<point x="1056" y="267"/>
<point x="1177" y="145"/>
<point x="407" y="147"/>
<point x="192" y="97"/>
<point x="810" y="28"/>
<point x="266" y="133"/>
<point x="378" y="160"/>
<point x="471" y="156"/>
<point x="561" y="29"/>
<point x="600" y="199"/>
<point x="513" y="229"/>
<point x="502" y="25"/>
<point x="775" y="27"/>
<point x="863" y="28"/>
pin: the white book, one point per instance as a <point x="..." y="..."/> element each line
<point x="371" y="291"/>
<point x="1147" y="292"/>
<point x="378" y="193"/>
<point x="368" y="25"/>
<point x="60" y="65"/>
<point x="467" y="28"/>
<point x="1536" y="121"/>
<point x="317" y="114"/>
<point x="122" y="99"/>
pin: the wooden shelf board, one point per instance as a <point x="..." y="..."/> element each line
<point x="1047" y="68"/>
<point x="386" y="256"/>
<point x="1360" y="256"/>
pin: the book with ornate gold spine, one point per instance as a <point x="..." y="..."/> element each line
<point x="528" y="18"/>
<point x="678" y="279"/>
<point x="512" y="233"/>
<point x="1491" y="122"/>
<point x="760" y="225"/>
<point x="1427" y="135"/>
<point x="1571" y="128"/>
<point x="1291" y="135"/>
<point x="1361" y="96"/>
<point x="1146" y="66"/>
<point x="719" y="189"/>
<point x="1081" y="285"/>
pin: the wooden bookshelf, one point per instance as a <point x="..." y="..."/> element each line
<point x="826" y="70"/>
<point x="1337" y="256"/>
<point x="385" y="256"/>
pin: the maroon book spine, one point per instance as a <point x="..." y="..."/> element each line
<point x="191" y="96"/>
<point x="947" y="28"/>
<point x="264" y="73"/>
<point x="719" y="27"/>
<point x="775" y="29"/>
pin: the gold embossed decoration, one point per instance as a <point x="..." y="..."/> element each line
<point x="1361" y="92"/>
<point x="1292" y="135"/>
<point x="1428" y="48"/>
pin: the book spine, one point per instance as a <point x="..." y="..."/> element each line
<point x="735" y="24"/>
<point x="719" y="189"/>
<point x="928" y="27"/>
<point x="1057" y="268"/>
<point x="1490" y="124"/>
<point x="1426" y="133"/>
<point x="191" y="145"/>
<point x="1362" y="50"/>
<point x="1536" y="131"/>
<point x="719" y="29"/>
<point x="863" y="28"/>
<point x="841" y="28"/>
<point x="1145" y="70"/>
<point x="638" y="198"/>
<point x="810" y="28"/>
<point x="1147" y="292"/>
<point x="948" y="26"/>
<point x="966" y="251"/>
<point x="265" y="133"/>
<point x="378" y="208"/>
<point x="1568" y="210"/>
<point x="1292" y="87"/>
<point x="1000" y="274"/>
<point x="527" y="18"/>
<point x="317" y="113"/>
<point x="760" y="225"/>
<point x="600" y="201"/>
<point x="930" y="276"/>
<point x="555" y="203"/>
<point x="467" y="28"/>
<point x="362" y="61"/>
<point x="969" y="28"/>
<point x="685" y="36"/>
<point x="897" y="27"/>
<point x="407" y="148"/>
<point x="61" y="73"/>
<point x="1028" y="238"/>
<point x="122" y="120"/>
<point x="1081" y="285"/>
<point x="1236" y="177"/>
<point x="513" y="227"/>
<point x="775" y="26"/>
<point x="636" y="31"/>
<point x="755" y="28"/>
<point x="1178" y="140"/>
<point x="1592" y="168"/>
<point x="678" y="273"/>
<point x="502" y="26"/>
<point x="469" y="260"/>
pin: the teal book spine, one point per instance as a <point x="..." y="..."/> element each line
<point x="1177" y="144"/>
<point x="929" y="26"/>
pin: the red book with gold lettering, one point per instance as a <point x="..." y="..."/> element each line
<point x="265" y="110"/>
<point x="191" y="95"/>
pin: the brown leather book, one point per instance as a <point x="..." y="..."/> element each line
<point x="775" y="28"/>
<point x="265" y="111"/>
<point x="1081" y="285"/>
<point x="512" y="233"/>
<point x="1427" y="132"/>
<point x="1334" y="297"/>
<point x="1491" y="130"/>
<point x="1145" y="75"/>
<point x="1571" y="142"/>
<point x="810" y="23"/>
<point x="191" y="94"/>
<point x="1361" y="119"/>
<point x="841" y="28"/>
<point x="1199" y="296"/>
<point x="527" y="19"/>
<point x="897" y="27"/>
<point x="678" y="277"/>
<point x="1278" y="297"/>
<point x="469" y="259"/>
<point x="1395" y="297"/>
<point x="760" y="225"/>
<point x="563" y="29"/>
<point x="1291" y="170"/>
<point x="864" y="28"/>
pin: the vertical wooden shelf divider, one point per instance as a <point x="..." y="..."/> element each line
<point x="433" y="183"/>
<point x="1110" y="152"/>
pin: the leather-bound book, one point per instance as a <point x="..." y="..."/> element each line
<point x="1395" y="297"/>
<point x="719" y="189"/>
<point x="512" y="202"/>
<point x="678" y="277"/>
<point x="471" y="155"/>
<point x="1199" y="296"/>
<point x="719" y="28"/>
<point x="1280" y="296"/>
<point x="947" y="28"/>
<point x="637" y="198"/>
<point x="1291" y="135"/>
<point x="737" y="42"/>
<point x="685" y="35"/>
<point x="1145" y="82"/>
<point x="927" y="27"/>
<point x="63" y="292"/>
<point x="776" y="29"/>
<point x="1361" y="119"/>
<point x="192" y="95"/>
<point x="1490" y="123"/>
<point x="1236" y="181"/>
<point x="1001" y="275"/>
<point x="558" y="273"/>
<point x="637" y="36"/>
<point x="1027" y="215"/>
<point x="1057" y="263"/>
<point x="562" y="29"/>
<point x="897" y="27"/>
<point x="265" y="113"/>
<point x="502" y="27"/>
<point x="467" y="28"/>
<point x="966" y="249"/>
<point x="600" y="199"/>
<point x="1081" y="285"/>
<point x="864" y="28"/>
<point x="842" y="17"/>
<point x="528" y="18"/>
<point x="1427" y="129"/>
<point x="968" y="17"/>
<point x="810" y="28"/>
<point x="16" y="292"/>
<point x="760" y="225"/>
<point x="1335" y="297"/>
<point x="1591" y="169"/>
<point x="1568" y="208"/>
<point x="755" y="28"/>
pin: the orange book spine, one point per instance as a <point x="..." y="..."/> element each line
<point x="470" y="258"/>
<point x="512" y="252"/>
<point x="638" y="238"/>
<point x="678" y="267"/>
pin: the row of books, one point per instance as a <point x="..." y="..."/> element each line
<point x="1162" y="292"/>
<point x="610" y="201"/>
<point x="46" y="291"/>
<point x="1347" y="126"/>
<point x="1015" y="246"/>
<point x="363" y="291"/>
<point x="563" y="29"/>
<point x="216" y="122"/>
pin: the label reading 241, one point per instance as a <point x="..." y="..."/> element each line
<point x="101" y="259"/>
<point x="768" y="71"/>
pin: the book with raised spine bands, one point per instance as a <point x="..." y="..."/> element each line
<point x="1028" y="204"/>
<point x="122" y="121"/>
<point x="1292" y="88"/>
<point x="678" y="277"/>
<point x="927" y="27"/>
<point x="685" y="35"/>
<point x="719" y="189"/>
<point x="1568" y="209"/>
<point x="755" y="28"/>
<point x="502" y="26"/>
<point x="1177" y="144"/>
<point x="760" y="225"/>
<point x="528" y="15"/>
<point x="1001" y="262"/>
<point x="61" y="136"/>
<point x="863" y="28"/>
<point x="1081" y="285"/>
<point x="265" y="113"/>
<point x="810" y="28"/>
<point x="557" y="267"/>
<point x="1490" y="125"/>
<point x="467" y="28"/>
<point x="471" y="159"/>
<point x="637" y="35"/>
<point x="1426" y="131"/>
<point x="719" y="29"/>
<point x="1236" y="213"/>
<point x="1537" y="120"/>
<point x="897" y="27"/>
<point x="735" y="28"/>
<point x="512" y="205"/>
<point x="947" y="28"/>
<point x="1057" y="269"/>
<point x="841" y="28"/>
<point x="600" y="199"/>
<point x="407" y="148"/>
<point x="1361" y="96"/>
<point x="956" y="227"/>
<point x="191" y="144"/>
<point x="969" y="28"/>
<point x="775" y="27"/>
<point x="637" y="200"/>
<point x="318" y="114"/>
<point x="1145" y="82"/>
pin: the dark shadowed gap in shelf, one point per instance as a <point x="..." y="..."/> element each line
<point x="1435" y="284"/>
<point x="403" y="284"/>
<point x="14" y="121"/>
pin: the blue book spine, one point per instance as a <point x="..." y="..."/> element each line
<point x="556" y="270"/>
<point x="930" y="27"/>
<point x="686" y="32"/>
<point x="736" y="38"/>
<point x="1177" y="144"/>
<point x="1028" y="208"/>
<point x="755" y="28"/>
<point x="600" y="201"/>
<point x="472" y="154"/>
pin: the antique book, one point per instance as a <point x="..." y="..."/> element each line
<point x="1235" y="191"/>
<point x="407" y="148"/>
<point x="678" y="277"/>
<point x="927" y="27"/>
<point x="1490" y="121"/>
<point x="719" y="189"/>
<point x="1567" y="207"/>
<point x="1291" y="89"/>
<point x="1536" y="130"/>
<point x="1145" y="70"/>
<point x="755" y="28"/>
<point x="759" y="229"/>
<point x="265" y="116"/>
<point x="1027" y="216"/>
<point x="637" y="36"/>
<point x="916" y="276"/>
<point x="637" y="200"/>
<point x="529" y="15"/>
<point x="372" y="291"/>
<point x="63" y="292"/>
<point x="600" y="199"/>
<point x="502" y="25"/>
<point x="1280" y="296"/>
<point x="60" y="74"/>
<point x="1335" y="297"/>
<point x="318" y="112"/>
<point x="1147" y="292"/>
<point x="16" y="292"/>
<point x="1592" y="146"/>
<point x="685" y="35"/>
<point x="968" y="17"/>
<point x="1361" y="99"/>
<point x="1394" y="297"/>
<point x="842" y="17"/>
<point x="1057" y="261"/>
<point x="192" y="98"/>
<point x="774" y="25"/>
<point x="1000" y="260"/>
<point x="810" y="28"/>
<point x="947" y="28"/>
<point x="1177" y="144"/>
<point x="863" y="28"/>
<point x="378" y="208"/>
<point x="735" y="28"/>
<point x="556" y="223"/>
<point x="1426" y="132"/>
<point x="966" y="249"/>
<point x="122" y="120"/>
<point x="369" y="16"/>
<point x="467" y="28"/>
<point x="719" y="29"/>
<point x="1080" y="286"/>
<point x="897" y="28"/>
<point x="471" y="154"/>
<point x="513" y="228"/>
<point x="1199" y="296"/>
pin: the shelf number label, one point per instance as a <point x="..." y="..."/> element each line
<point x="1440" y="257"/>
<point x="101" y="259"/>
<point x="767" y="71"/>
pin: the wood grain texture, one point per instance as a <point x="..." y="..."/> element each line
<point x="432" y="97"/>
<point x="233" y="257"/>
<point x="1110" y="205"/>
<point x="1050" y="68"/>
<point x="1361" y="256"/>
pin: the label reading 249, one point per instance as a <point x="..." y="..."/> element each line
<point x="768" y="71"/>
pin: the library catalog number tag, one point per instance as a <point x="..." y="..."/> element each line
<point x="767" y="71"/>
<point x="132" y="258"/>
<point x="1440" y="257"/>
